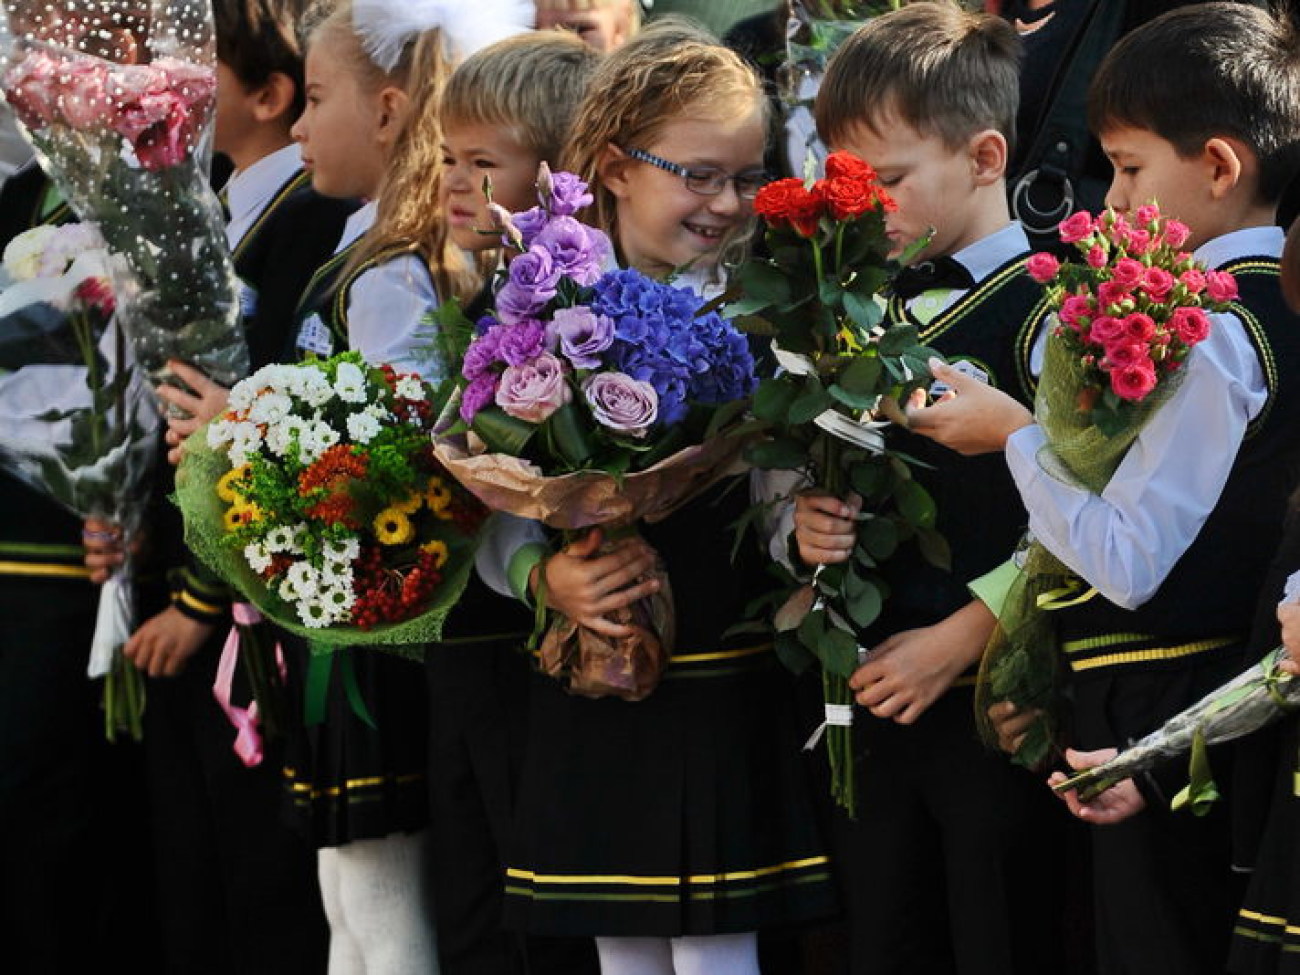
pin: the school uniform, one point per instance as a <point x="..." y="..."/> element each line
<point x="251" y="899"/>
<point x="1177" y="546"/>
<point x="966" y="882"/>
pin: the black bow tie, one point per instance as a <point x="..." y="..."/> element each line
<point x="940" y="272"/>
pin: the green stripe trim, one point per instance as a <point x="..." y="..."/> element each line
<point x="690" y="894"/>
<point x="20" y="549"/>
<point x="298" y="181"/>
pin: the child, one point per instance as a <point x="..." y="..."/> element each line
<point x="928" y="96"/>
<point x="604" y="24"/>
<point x="673" y="828"/>
<point x="1198" y="110"/>
<point x="505" y="110"/>
<point x="370" y="130"/>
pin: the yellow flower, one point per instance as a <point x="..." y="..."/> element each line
<point x="438" y="497"/>
<point x="228" y="486"/>
<point x="410" y="506"/>
<point x="393" y="527"/>
<point x="241" y="513"/>
<point x="438" y="550"/>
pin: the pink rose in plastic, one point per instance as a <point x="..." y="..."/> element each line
<point x="96" y="293"/>
<point x="1221" y="286"/>
<point x="1043" y="267"/>
<point x="535" y="391"/>
<point x="1107" y="330"/>
<point x="1076" y="227"/>
<point x="32" y="89"/>
<point x="84" y="101"/>
<point x="1134" y="382"/>
<point x="1191" y="325"/>
<point x="1074" y="308"/>
<point x="1122" y="355"/>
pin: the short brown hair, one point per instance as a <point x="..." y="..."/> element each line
<point x="530" y="84"/>
<point x="942" y="70"/>
<point x="257" y="38"/>
<point x="1205" y="71"/>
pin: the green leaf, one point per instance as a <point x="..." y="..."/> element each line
<point x="792" y="612"/>
<point x="865" y="606"/>
<point x="501" y="432"/>
<point x="792" y="653"/>
<point x="879" y="536"/>
<point x="780" y="453"/>
<point x="569" y="436"/>
<point x="812" y="629"/>
<point x="812" y="402"/>
<point x="863" y="309"/>
<point x="724" y="415"/>
<point x="915" y="503"/>
<point x="862" y="375"/>
<point x="854" y="401"/>
<point x="898" y="340"/>
<point x="763" y="280"/>
<point x="838" y="650"/>
<point x="773" y="398"/>
<point x="869" y="478"/>
<point x="934" y="548"/>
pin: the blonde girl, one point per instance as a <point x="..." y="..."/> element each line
<point x="375" y="73"/>
<point x="672" y="829"/>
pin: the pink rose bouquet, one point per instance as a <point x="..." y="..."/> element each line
<point x="1127" y="316"/>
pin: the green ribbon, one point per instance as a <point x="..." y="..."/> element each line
<point x="320" y="668"/>
<point x="1200" y="793"/>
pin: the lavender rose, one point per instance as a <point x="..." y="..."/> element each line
<point x="533" y="392"/>
<point x="622" y="403"/>
<point x="568" y="194"/>
<point x="583" y="335"/>
<point x="576" y="250"/>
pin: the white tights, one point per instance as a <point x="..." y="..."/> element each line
<point x="716" y="954"/>
<point x="376" y="899"/>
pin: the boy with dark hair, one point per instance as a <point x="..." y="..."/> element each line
<point x="943" y="869"/>
<point x="1198" y="110"/>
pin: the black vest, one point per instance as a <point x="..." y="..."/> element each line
<point x="1208" y="600"/>
<point x="979" y="511"/>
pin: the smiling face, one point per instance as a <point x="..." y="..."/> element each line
<point x="340" y="129"/>
<point x="472" y="151"/>
<point x="1149" y="169"/>
<point x="933" y="184"/>
<point x="661" y="224"/>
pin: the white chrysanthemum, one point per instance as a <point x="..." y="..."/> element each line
<point x="298" y="537"/>
<point x="350" y="383"/>
<point x="304" y="578"/>
<point x="363" y="427"/>
<point x="317" y="437"/>
<point x="313" y="388"/>
<point x="219" y="432"/>
<point x="279" y="439"/>
<point x="315" y="613"/>
<point x="344" y="551"/>
<point x="22" y="257"/>
<point x="270" y="408"/>
<point x="408" y="387"/>
<point x="340" y="599"/>
<point x="257" y="557"/>
<point x="279" y="539"/>
<point x="242" y="394"/>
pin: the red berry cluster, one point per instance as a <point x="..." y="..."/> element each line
<point x="390" y="595"/>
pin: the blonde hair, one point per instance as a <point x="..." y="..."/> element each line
<point x="673" y="69"/>
<point x="409" y="214"/>
<point x="527" y="84"/>
<point x="633" y="8"/>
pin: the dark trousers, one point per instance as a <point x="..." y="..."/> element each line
<point x="238" y="887"/>
<point x="477" y="707"/>
<point x="958" y="863"/>
<point x="73" y="820"/>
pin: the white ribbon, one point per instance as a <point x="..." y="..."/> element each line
<point x="837" y="715"/>
<point x="112" y="625"/>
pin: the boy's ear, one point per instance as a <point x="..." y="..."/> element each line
<point x="1226" y="162"/>
<point x="393" y="106"/>
<point x="988" y="156"/>
<point x="612" y="169"/>
<point x="274" y="98"/>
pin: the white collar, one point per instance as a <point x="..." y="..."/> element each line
<point x="357" y="224"/>
<point x="989" y="253"/>
<point x="248" y="191"/>
<point x="1264" y="241"/>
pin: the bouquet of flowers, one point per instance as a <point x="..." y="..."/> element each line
<point x="593" y="397"/>
<point x="816" y="295"/>
<point x="117" y="97"/>
<point x="1127" y="314"/>
<point x="80" y="421"/>
<point x="316" y="495"/>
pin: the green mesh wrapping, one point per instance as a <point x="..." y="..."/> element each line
<point x="1022" y="662"/>
<point x="207" y="538"/>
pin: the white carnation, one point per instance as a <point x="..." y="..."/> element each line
<point x="270" y="408"/>
<point x="22" y="257"/>
<point x="350" y="383"/>
<point x="219" y="432"/>
<point x="363" y="427"/>
<point x="408" y="387"/>
<point x="313" y="388"/>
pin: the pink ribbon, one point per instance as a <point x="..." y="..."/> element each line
<point x="248" y="741"/>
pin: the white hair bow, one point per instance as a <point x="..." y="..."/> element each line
<point x="387" y="26"/>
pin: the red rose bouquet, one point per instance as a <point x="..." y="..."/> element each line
<point x="843" y="367"/>
<point x="1127" y="315"/>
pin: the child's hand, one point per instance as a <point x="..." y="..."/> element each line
<point x="1012" y="724"/>
<point x="1115" y="805"/>
<point x="824" y="527"/>
<point x="971" y="417"/>
<point x="207" y="401"/>
<point x="163" y="645"/>
<point x="1288" y="614"/>
<point x="910" y="670"/>
<point x="584" y="585"/>
<point x="103" y="551"/>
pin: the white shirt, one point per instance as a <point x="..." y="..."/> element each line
<point x="387" y="307"/>
<point x="1125" y="541"/>
<point x="250" y="191"/>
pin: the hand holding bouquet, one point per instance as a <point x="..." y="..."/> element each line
<point x="594" y="397"/>
<point x="844" y="367"/>
<point x="1127" y="315"/>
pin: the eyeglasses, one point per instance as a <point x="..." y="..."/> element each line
<point x="707" y="182"/>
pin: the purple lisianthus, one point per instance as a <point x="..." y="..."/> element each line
<point x="529" y="223"/>
<point x="568" y="194"/>
<point x="621" y="403"/>
<point x="481" y="354"/>
<point x="577" y="251"/>
<point x="535" y="391"/>
<point x="530" y="286"/>
<point x="522" y="342"/>
<point x="477" y="394"/>
<point x="583" y="335"/>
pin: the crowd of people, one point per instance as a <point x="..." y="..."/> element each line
<point x="475" y="818"/>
